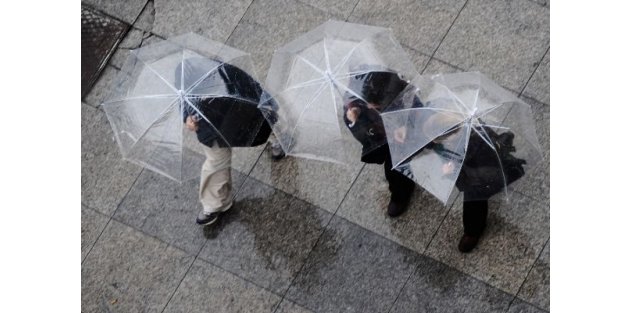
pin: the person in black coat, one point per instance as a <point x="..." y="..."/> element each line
<point x="228" y="118"/>
<point x="371" y="93"/>
<point x="485" y="171"/>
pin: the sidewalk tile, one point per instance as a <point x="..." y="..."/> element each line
<point x="535" y="290"/>
<point x="105" y="177"/>
<point x="289" y="307"/>
<point x="127" y="271"/>
<point x="519" y="306"/>
<point x="167" y="210"/>
<point x="92" y="223"/>
<point x="321" y="183"/>
<point x="207" y="288"/>
<point x="124" y="10"/>
<point x="538" y="86"/>
<point x="266" y="237"/>
<point x="435" y="287"/>
<point x="268" y="25"/>
<point x="338" y="7"/>
<point x="366" y="205"/>
<point x="514" y="237"/>
<point x="352" y="270"/>
<point x="503" y="39"/>
<point x="417" y="24"/>
<point x="214" y="20"/>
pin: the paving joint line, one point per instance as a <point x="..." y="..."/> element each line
<point x="318" y="239"/>
<point x="403" y="288"/>
<point x="525" y="279"/>
<point x="446" y="34"/>
<point x="534" y="72"/>
<point x="239" y="22"/>
<point x="240" y="188"/>
<point x="111" y="217"/>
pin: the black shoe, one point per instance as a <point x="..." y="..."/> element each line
<point x="207" y="219"/>
<point x="467" y="243"/>
<point x="396" y="208"/>
<point x="276" y="152"/>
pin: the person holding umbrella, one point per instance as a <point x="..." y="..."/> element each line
<point x="372" y="92"/>
<point x="470" y="134"/>
<point x="212" y="118"/>
<point x="482" y="174"/>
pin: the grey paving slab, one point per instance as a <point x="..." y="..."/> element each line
<point x="435" y="287"/>
<point x="352" y="270"/>
<point x="132" y="40"/>
<point x="519" y="306"/>
<point x="320" y="183"/>
<point x="503" y="39"/>
<point x="515" y="235"/>
<point x="124" y="10"/>
<point x="366" y="205"/>
<point x="338" y="7"/>
<point x="102" y="88"/>
<point x="128" y="271"/>
<point x="535" y="290"/>
<point x="212" y="19"/>
<point x="289" y="307"/>
<point x="244" y="159"/>
<point x="266" y="237"/>
<point x="105" y="177"/>
<point x="167" y="210"/>
<point x="207" y="288"/>
<point x="538" y="85"/>
<point x="418" y="24"/>
<point x="536" y="182"/>
<point x="268" y="25"/>
<point x="92" y="224"/>
<point x="146" y="19"/>
<point x="419" y="59"/>
<point x="436" y="67"/>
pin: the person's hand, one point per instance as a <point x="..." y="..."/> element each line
<point x="353" y="114"/>
<point x="400" y="134"/>
<point x="448" y="168"/>
<point x="191" y="123"/>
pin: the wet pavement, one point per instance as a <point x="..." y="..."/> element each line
<point x="306" y="236"/>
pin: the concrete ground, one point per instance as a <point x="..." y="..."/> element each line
<point x="306" y="236"/>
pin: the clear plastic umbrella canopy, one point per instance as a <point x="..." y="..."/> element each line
<point x="315" y="75"/>
<point x="465" y="132"/>
<point x="162" y="84"/>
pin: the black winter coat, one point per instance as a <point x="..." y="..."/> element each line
<point x="237" y="117"/>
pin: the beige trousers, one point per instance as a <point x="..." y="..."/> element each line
<point x="215" y="187"/>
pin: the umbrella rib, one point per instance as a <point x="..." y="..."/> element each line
<point x="140" y="97"/>
<point x="202" y="78"/>
<point x="158" y="75"/>
<point x="326" y="56"/>
<point x="448" y="130"/>
<point x="321" y="88"/>
<point x="311" y="65"/>
<point x="421" y="108"/>
<point x="347" y="56"/>
<point x="159" y="117"/>
<point x="311" y="82"/>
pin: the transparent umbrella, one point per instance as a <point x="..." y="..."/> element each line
<point x="162" y="84"/>
<point x="317" y="76"/>
<point x="468" y="132"/>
